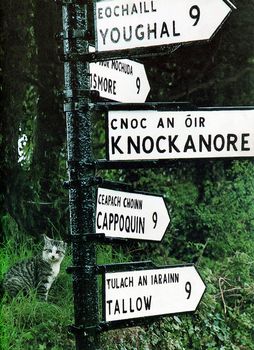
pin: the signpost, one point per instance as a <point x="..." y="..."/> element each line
<point x="131" y="215"/>
<point x="204" y="133"/>
<point x="134" y="135"/>
<point x="124" y="24"/>
<point x="120" y="80"/>
<point x="154" y="292"/>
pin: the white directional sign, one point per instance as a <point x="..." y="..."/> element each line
<point x="124" y="24"/>
<point x="131" y="215"/>
<point x="207" y="133"/>
<point x="120" y="80"/>
<point x="154" y="292"/>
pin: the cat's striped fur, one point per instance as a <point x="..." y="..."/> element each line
<point x="36" y="273"/>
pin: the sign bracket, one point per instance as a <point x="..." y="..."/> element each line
<point x="96" y="181"/>
<point x="96" y="237"/>
<point x="77" y="93"/>
<point x="71" y="2"/>
<point x="75" y="34"/>
<point x="129" y="266"/>
<point x="153" y="51"/>
<point x="104" y="164"/>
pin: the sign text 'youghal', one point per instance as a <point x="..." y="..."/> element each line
<point x="124" y="24"/>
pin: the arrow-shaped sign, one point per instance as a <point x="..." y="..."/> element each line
<point x="119" y="80"/>
<point x="125" y="24"/>
<point x="202" y="133"/>
<point x="144" y="293"/>
<point x="131" y="215"/>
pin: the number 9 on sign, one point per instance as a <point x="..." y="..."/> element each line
<point x="195" y="14"/>
<point x="155" y="219"/>
<point x="188" y="289"/>
<point x="138" y="85"/>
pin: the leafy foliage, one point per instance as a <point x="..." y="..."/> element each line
<point x="210" y="201"/>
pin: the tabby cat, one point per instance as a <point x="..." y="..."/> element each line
<point x="38" y="272"/>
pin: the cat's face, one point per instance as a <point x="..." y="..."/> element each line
<point x="53" y="250"/>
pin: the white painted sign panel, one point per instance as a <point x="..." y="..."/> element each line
<point x="122" y="214"/>
<point x="120" y="80"/>
<point x="125" y="24"/>
<point x="155" y="292"/>
<point x="148" y="134"/>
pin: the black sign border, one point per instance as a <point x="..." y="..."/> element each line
<point x="138" y="266"/>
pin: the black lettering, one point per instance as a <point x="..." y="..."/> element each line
<point x="117" y="308"/>
<point x="116" y="220"/>
<point x="94" y="81"/>
<point x="171" y="144"/>
<point x="146" y="147"/>
<point x="108" y="12"/>
<point x="123" y="304"/>
<point x="114" y="145"/>
<point x="130" y="33"/>
<point x="104" y="35"/>
<point x="97" y="219"/>
<point x="141" y="226"/>
<point x="111" y="220"/>
<point x="189" y="144"/>
<point x="100" y="13"/>
<point x="131" y="308"/>
<point x="125" y="10"/>
<point x="206" y="143"/>
<point x="151" y="31"/>
<point x="131" y="143"/>
<point x="231" y="141"/>
<point x="124" y="123"/>
<point x="158" y="144"/>
<point x="160" y="123"/>
<point x="100" y="83"/>
<point x="153" y="9"/>
<point x="148" y="302"/>
<point x="216" y="146"/>
<point x="174" y="30"/>
<point x="202" y="122"/>
<point x="117" y="37"/>
<point x="127" y="224"/>
<point x="116" y="13"/>
<point x="244" y="142"/>
<point x="139" y="35"/>
<point x="109" y="306"/>
<point x="139" y="304"/>
<point x="114" y="87"/>
<point x="134" y="9"/>
<point x="111" y="124"/>
<point x="164" y="30"/>
<point x="143" y="126"/>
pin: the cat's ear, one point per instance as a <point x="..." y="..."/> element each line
<point x="46" y="238"/>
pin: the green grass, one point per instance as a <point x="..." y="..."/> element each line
<point x="27" y="323"/>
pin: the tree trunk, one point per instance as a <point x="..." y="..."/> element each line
<point x="15" y="35"/>
<point x="49" y="133"/>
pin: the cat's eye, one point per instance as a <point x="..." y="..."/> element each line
<point x="48" y="250"/>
